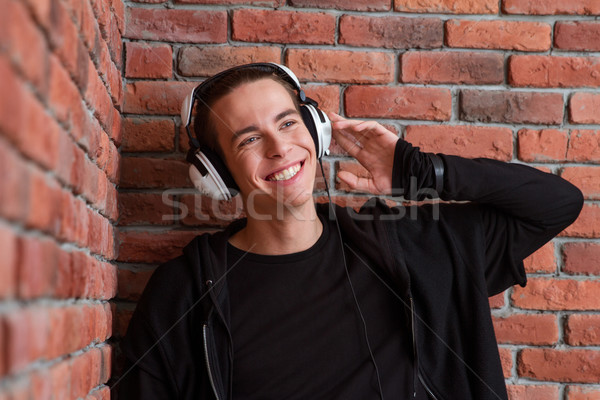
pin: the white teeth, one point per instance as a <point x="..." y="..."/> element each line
<point x="285" y="174"/>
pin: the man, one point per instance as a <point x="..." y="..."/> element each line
<point x="297" y="302"/>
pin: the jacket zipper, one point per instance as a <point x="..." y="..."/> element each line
<point x="208" y="367"/>
<point x="416" y="366"/>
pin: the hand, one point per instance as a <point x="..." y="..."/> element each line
<point x="372" y="145"/>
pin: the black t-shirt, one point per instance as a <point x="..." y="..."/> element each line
<point x="297" y="333"/>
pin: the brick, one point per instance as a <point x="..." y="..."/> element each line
<point x="98" y="99"/>
<point x="265" y="3"/>
<point x="560" y="365"/>
<point x="39" y="331"/>
<point x="466" y="141"/>
<point x="103" y="15"/>
<point x="64" y="99"/>
<point x="531" y="329"/>
<point x="352" y="5"/>
<point x="550" y="7"/>
<point x="148" y="61"/>
<point x="557" y="294"/>
<point x="207" y="61"/>
<point x="144" y="208"/>
<point x="43" y="204"/>
<point x="584" y="146"/>
<point x="398" y="102"/>
<point x="140" y="172"/>
<point x="14" y="196"/>
<point x="533" y="392"/>
<point x="86" y="23"/>
<point x="152" y="247"/>
<point x="582" y="330"/>
<point x="132" y="283"/>
<point x="497" y="301"/>
<point x="582" y="393"/>
<point x="156" y="97"/>
<point x="551" y="71"/>
<point x="584" y="108"/>
<point x="144" y="134"/>
<point x="61" y="382"/>
<point x="585" y="178"/>
<point x="587" y="224"/>
<point x="41" y="384"/>
<point x="341" y="66"/>
<point x="41" y="148"/>
<point x="447" y="6"/>
<point x="506" y="361"/>
<point x="8" y="264"/>
<point x="292" y="26"/>
<point x="198" y="210"/>
<point x="577" y="35"/>
<point x="11" y="107"/>
<point x="118" y="12"/>
<point x="115" y="42"/>
<point x="42" y="10"/>
<point x="542" y="145"/>
<point x="80" y="376"/>
<point x="391" y="32"/>
<point x="64" y="37"/>
<point x="328" y="96"/>
<point x="37" y="265"/>
<point x="187" y="26"/>
<point x="581" y="258"/>
<point x="16" y="335"/>
<point x="495" y="34"/>
<point x="511" y="107"/>
<point x="452" y="67"/>
<point x="26" y="45"/>
<point x="542" y="260"/>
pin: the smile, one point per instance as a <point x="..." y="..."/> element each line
<point x="285" y="174"/>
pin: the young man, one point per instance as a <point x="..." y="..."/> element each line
<point x="297" y="302"/>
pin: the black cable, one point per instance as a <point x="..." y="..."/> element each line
<point x="362" y="318"/>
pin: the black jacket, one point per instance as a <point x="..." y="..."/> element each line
<point x="444" y="260"/>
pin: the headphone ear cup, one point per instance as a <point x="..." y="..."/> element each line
<point x="319" y="126"/>
<point x="217" y="181"/>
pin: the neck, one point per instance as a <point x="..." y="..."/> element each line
<point x="284" y="234"/>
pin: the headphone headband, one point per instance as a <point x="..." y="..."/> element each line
<point x="197" y="93"/>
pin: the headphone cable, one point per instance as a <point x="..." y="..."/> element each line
<point x="362" y="318"/>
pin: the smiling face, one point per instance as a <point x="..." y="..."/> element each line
<point x="266" y="145"/>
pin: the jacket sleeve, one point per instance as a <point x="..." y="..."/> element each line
<point x="520" y="207"/>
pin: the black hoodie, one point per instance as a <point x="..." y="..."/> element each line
<point x="445" y="260"/>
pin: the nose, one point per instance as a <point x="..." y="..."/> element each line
<point x="277" y="146"/>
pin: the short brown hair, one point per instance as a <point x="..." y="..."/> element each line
<point x="204" y="126"/>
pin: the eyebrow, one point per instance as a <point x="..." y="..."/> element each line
<point x="252" y="128"/>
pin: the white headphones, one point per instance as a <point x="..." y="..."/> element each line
<point x="207" y="171"/>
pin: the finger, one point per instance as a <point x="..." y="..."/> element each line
<point x="333" y="117"/>
<point x="346" y="123"/>
<point x="348" y="143"/>
<point x="356" y="183"/>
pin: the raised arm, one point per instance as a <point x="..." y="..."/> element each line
<point x="521" y="208"/>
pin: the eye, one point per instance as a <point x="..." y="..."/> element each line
<point x="287" y="124"/>
<point x="247" y="141"/>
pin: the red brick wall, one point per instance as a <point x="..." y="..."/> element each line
<point x="514" y="80"/>
<point x="60" y="99"/>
